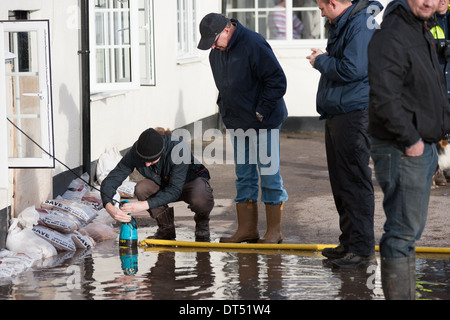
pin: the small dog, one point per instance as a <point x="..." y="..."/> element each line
<point x="443" y="149"/>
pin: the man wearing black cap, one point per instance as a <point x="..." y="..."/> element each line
<point x="251" y="86"/>
<point x="166" y="180"/>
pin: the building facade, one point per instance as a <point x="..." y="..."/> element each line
<point x="82" y="76"/>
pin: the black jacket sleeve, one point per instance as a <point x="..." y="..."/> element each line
<point x="116" y="177"/>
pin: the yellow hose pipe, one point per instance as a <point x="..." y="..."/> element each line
<point x="263" y="246"/>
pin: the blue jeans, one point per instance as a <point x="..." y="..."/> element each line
<point x="406" y="184"/>
<point x="255" y="150"/>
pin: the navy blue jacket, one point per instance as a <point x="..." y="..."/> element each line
<point x="344" y="84"/>
<point x="250" y="79"/>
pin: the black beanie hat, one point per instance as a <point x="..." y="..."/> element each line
<point x="150" y="145"/>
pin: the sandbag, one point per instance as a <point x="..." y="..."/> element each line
<point x="59" y="240"/>
<point x="28" y="217"/>
<point x="106" y="162"/>
<point x="25" y="240"/>
<point x="82" y="241"/>
<point x="77" y="188"/>
<point x="126" y="189"/>
<point x="58" y="220"/>
<point x="81" y="211"/>
<point x="12" y="263"/>
<point x="99" y="231"/>
<point x="93" y="198"/>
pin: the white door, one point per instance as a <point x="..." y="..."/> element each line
<point x="27" y="99"/>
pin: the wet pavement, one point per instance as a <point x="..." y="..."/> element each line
<point x="173" y="273"/>
<point x="207" y="274"/>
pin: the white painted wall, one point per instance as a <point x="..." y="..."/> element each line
<point x="302" y="80"/>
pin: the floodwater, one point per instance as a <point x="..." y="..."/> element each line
<point x="167" y="273"/>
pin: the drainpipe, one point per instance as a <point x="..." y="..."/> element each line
<point x="85" y="87"/>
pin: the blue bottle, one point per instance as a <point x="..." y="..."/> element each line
<point x="129" y="260"/>
<point x="128" y="232"/>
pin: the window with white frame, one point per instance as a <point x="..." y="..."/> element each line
<point x="187" y="30"/>
<point x="114" y="45"/>
<point x="146" y="43"/>
<point x="269" y="18"/>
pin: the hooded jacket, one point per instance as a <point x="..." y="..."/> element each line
<point x="408" y="99"/>
<point x="249" y="79"/>
<point x="168" y="173"/>
<point x="343" y="85"/>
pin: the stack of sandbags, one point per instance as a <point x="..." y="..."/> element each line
<point x="66" y="222"/>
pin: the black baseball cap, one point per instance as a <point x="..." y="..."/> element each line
<point x="210" y="26"/>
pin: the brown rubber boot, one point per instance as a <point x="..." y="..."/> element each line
<point x="247" y="215"/>
<point x="273" y="234"/>
<point x="166" y="226"/>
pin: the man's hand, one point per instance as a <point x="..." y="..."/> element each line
<point x="122" y="214"/>
<point x="117" y="214"/>
<point x="416" y="150"/>
<point x="135" y="206"/>
<point x="314" y="54"/>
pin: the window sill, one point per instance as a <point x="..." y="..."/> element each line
<point x="187" y="60"/>
<point x="107" y="94"/>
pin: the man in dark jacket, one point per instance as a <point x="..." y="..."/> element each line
<point x="409" y="113"/>
<point x="167" y="180"/>
<point x="343" y="100"/>
<point x="251" y="87"/>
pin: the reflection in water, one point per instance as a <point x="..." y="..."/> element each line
<point x="201" y="274"/>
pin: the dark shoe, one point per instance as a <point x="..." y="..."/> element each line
<point x="166" y="226"/>
<point x="335" y="253"/>
<point x="202" y="232"/>
<point x="202" y="226"/>
<point x="353" y="261"/>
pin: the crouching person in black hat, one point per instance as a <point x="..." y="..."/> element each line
<point x="167" y="179"/>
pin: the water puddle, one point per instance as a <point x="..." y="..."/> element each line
<point x="165" y="273"/>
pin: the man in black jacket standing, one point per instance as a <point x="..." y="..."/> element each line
<point x="408" y="113"/>
<point x="167" y="179"/>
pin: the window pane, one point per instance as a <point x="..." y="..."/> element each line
<point x="28" y="94"/>
<point x="101" y="65"/>
<point x="277" y="23"/>
<point x="20" y="146"/>
<point x="121" y="4"/>
<point x="310" y="18"/>
<point x="240" y="4"/>
<point x="101" y="4"/>
<point x="270" y="18"/>
<point x="122" y="28"/>
<point x="101" y="28"/>
<point x="123" y="64"/>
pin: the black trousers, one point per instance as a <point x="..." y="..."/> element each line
<point x="348" y="153"/>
